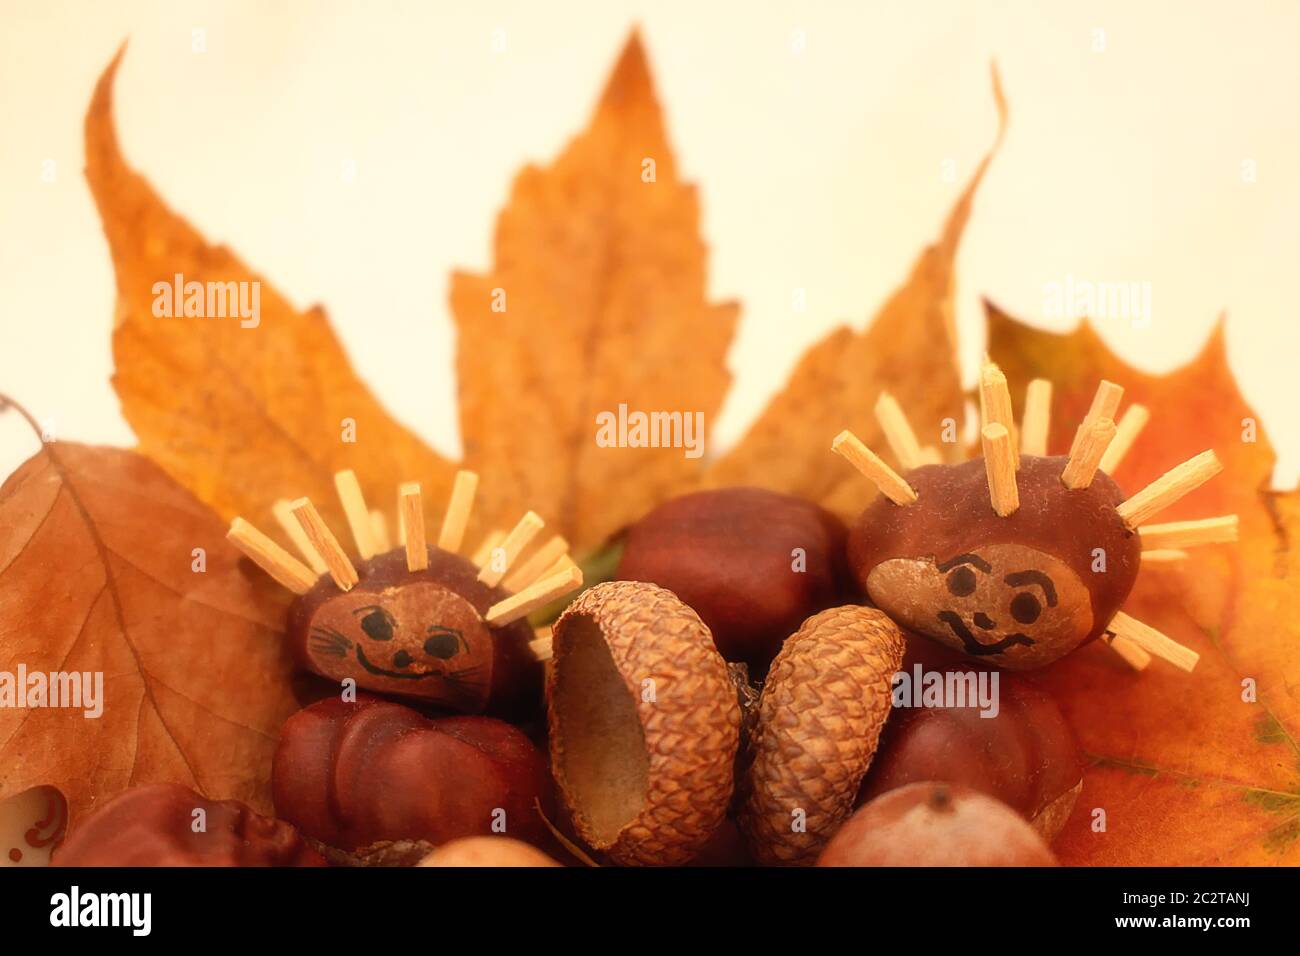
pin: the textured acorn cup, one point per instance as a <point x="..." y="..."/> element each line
<point x="644" y="724"/>
<point x="824" y="704"/>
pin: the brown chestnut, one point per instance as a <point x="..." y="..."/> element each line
<point x="418" y="634"/>
<point x="354" y="775"/>
<point x="165" y="824"/>
<point x="1018" y="591"/>
<point x="1022" y="753"/>
<point x="752" y="563"/>
<point x="936" y="824"/>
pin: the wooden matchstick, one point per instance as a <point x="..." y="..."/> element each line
<point x="459" y="507"/>
<point x="1153" y="642"/>
<point x="543" y="645"/>
<point x="1163" y="557"/>
<point x="484" y="551"/>
<point x="534" y="596"/>
<point x="996" y="404"/>
<point x="379" y="531"/>
<point x="417" y="551"/>
<point x="1189" y="534"/>
<point x="510" y="546"/>
<point x="1037" y="419"/>
<point x="538" y="564"/>
<point x="270" y="557"/>
<point x="1000" y="469"/>
<point x="849" y="447"/>
<point x="898" y="432"/>
<point x="294" y="530"/>
<point x="1105" y="403"/>
<point x="1169" y="487"/>
<point x="1128" y="428"/>
<point x="1129" y="652"/>
<point x="931" y="456"/>
<point x="355" y="510"/>
<point x="1085" y="460"/>
<point x="326" y="545"/>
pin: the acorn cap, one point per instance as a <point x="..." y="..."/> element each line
<point x="824" y="704"/>
<point x="644" y="724"/>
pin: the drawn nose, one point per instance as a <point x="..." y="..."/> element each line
<point x="983" y="621"/>
<point x="401" y="659"/>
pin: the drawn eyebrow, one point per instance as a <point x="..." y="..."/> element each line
<point x="974" y="559"/>
<point x="1034" y="577"/>
<point x="372" y="607"/>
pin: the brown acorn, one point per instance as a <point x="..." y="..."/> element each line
<point x="644" y="724"/>
<point x="825" y="701"/>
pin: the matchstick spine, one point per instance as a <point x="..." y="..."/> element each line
<point x="1105" y="403"/>
<point x="537" y="565"/>
<point x="890" y="484"/>
<point x="1000" y="469"/>
<point x="1037" y="419"/>
<point x="1169" y="487"/>
<point x="483" y="552"/>
<point x="1153" y="642"/>
<point x="417" y="550"/>
<point x="1189" y="534"/>
<point x="513" y="543"/>
<point x="1086" y="458"/>
<point x="294" y="531"/>
<point x="534" y="596"/>
<point x="356" y="512"/>
<point x="898" y="432"/>
<point x="270" y="557"/>
<point x="1127" y="429"/>
<point x="326" y="545"/>
<point x="996" y="405"/>
<point x="459" y="506"/>
<point x="1129" y="652"/>
<point x="379" y="531"/>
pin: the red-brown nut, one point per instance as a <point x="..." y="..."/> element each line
<point x="158" y="825"/>
<point x="1025" y="754"/>
<point x="936" y="824"/>
<point x="353" y="775"/>
<point x="418" y="634"/>
<point x="752" y="563"/>
<point x="1019" y="591"/>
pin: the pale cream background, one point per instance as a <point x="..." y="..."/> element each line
<point x="821" y="169"/>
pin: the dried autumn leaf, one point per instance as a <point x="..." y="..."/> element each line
<point x="908" y="350"/>
<point x="1187" y="769"/>
<point x="240" y="416"/>
<point x="96" y="556"/>
<point x="596" y="299"/>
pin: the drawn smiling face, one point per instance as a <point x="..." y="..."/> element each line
<point x="417" y="639"/>
<point x="1009" y="604"/>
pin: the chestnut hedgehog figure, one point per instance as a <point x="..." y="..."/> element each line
<point x="1019" y="558"/>
<point x="419" y="620"/>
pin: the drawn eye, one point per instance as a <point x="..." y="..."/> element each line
<point x="961" y="581"/>
<point x="442" y="646"/>
<point x="377" y="625"/>
<point x="1025" y="608"/>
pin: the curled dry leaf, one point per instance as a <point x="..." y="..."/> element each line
<point x="1187" y="768"/>
<point x="97" y="547"/>
<point x="909" y="350"/>
<point x="240" y="416"/>
<point x="596" y="298"/>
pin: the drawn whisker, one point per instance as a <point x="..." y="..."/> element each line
<point x="329" y="635"/>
